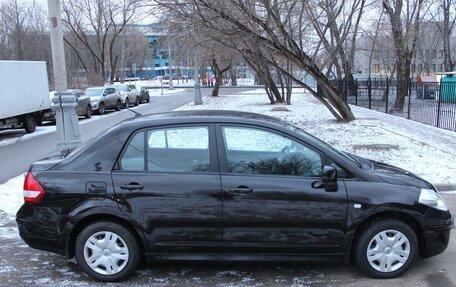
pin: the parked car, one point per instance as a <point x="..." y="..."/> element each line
<point x="225" y="185"/>
<point x="128" y="94"/>
<point x="144" y="93"/>
<point x="83" y="108"/>
<point x="104" y="98"/>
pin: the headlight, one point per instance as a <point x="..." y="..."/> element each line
<point x="433" y="199"/>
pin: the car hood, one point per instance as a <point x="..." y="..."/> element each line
<point x="395" y="175"/>
<point x="392" y="174"/>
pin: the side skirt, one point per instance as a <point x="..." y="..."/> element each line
<point x="257" y="257"/>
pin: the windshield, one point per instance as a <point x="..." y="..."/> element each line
<point x="122" y="88"/>
<point x="96" y="92"/>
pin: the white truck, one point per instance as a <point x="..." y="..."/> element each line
<point x="24" y="94"/>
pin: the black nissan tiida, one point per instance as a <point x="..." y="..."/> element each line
<point x="224" y="185"/>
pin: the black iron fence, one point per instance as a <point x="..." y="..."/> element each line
<point x="431" y="103"/>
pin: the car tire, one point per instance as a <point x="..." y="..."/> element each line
<point x="107" y="251"/>
<point x="118" y="105"/>
<point x="127" y="103"/>
<point x="148" y="99"/>
<point x="101" y="108"/>
<point x="29" y="124"/>
<point x="386" y="248"/>
<point x="88" y="113"/>
<point x="137" y="101"/>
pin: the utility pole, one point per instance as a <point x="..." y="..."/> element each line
<point x="58" y="53"/>
<point x="68" y="134"/>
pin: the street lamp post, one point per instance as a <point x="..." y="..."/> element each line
<point x="171" y="86"/>
<point x="198" y="99"/>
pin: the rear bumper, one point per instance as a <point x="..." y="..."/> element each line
<point x="32" y="234"/>
<point x="42" y="233"/>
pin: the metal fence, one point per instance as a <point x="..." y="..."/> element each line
<point x="431" y="103"/>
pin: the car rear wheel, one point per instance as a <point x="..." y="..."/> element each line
<point x="148" y="98"/>
<point x="88" y="113"/>
<point x="386" y="249"/>
<point x="127" y="103"/>
<point x="107" y="251"/>
<point x="101" y="109"/>
<point x="137" y="101"/>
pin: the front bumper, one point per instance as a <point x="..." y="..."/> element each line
<point x="435" y="241"/>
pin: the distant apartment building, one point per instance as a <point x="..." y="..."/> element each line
<point x="376" y="56"/>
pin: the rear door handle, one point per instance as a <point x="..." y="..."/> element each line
<point x="132" y="186"/>
<point x="240" y="189"/>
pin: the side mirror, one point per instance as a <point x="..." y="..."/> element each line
<point x="328" y="179"/>
<point x="329" y="174"/>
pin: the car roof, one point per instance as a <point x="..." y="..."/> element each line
<point x="204" y="116"/>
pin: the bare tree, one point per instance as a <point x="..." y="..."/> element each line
<point x="336" y="23"/>
<point x="275" y="26"/>
<point x="405" y="17"/>
<point x="97" y="24"/>
<point x="444" y="14"/>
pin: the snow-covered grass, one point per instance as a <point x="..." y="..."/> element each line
<point x="425" y="150"/>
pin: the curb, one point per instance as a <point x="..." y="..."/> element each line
<point x="445" y="186"/>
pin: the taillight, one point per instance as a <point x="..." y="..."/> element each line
<point x="33" y="191"/>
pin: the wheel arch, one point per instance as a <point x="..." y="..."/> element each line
<point x="93" y="218"/>
<point x="397" y="215"/>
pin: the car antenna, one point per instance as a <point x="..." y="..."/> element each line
<point x="133" y="111"/>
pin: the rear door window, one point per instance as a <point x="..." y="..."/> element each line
<point x="176" y="149"/>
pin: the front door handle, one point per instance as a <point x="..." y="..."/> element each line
<point x="132" y="186"/>
<point x="240" y="189"/>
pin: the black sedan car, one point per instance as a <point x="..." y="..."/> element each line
<point x="144" y="93"/>
<point x="223" y="185"/>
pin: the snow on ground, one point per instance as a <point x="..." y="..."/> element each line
<point x="425" y="150"/>
<point x="11" y="195"/>
<point x="14" y="132"/>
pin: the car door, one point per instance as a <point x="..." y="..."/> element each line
<point x="168" y="182"/>
<point x="111" y="97"/>
<point x="269" y="204"/>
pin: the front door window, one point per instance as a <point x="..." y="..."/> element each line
<point x="256" y="151"/>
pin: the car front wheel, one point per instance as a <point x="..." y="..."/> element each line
<point x="88" y="113"/>
<point x="101" y="109"/>
<point x="107" y="251"/>
<point x="386" y="249"/>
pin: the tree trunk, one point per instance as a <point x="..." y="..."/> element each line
<point x="233" y="77"/>
<point x="403" y="76"/>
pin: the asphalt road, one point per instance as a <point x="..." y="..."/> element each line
<point x="15" y="158"/>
